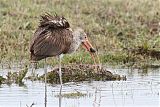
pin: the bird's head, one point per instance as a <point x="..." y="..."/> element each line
<point x="81" y="36"/>
<point x="83" y="39"/>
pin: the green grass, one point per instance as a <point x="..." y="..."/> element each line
<point x="110" y="24"/>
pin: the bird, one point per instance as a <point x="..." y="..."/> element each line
<point x="55" y="37"/>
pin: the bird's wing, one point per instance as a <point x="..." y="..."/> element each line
<point x="53" y="22"/>
<point x="52" y="37"/>
<point x="52" y="43"/>
<point x="50" y="23"/>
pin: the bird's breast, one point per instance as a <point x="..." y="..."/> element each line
<point x="74" y="46"/>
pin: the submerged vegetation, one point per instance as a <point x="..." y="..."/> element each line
<point x="72" y="95"/>
<point x="2" y="79"/>
<point x="115" y="27"/>
<point x="14" y="77"/>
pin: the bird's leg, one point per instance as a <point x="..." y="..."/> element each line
<point x="60" y="77"/>
<point x="60" y="71"/>
<point x="45" y="71"/>
<point x="33" y="70"/>
<point x="60" y="96"/>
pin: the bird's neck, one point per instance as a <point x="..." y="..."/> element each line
<point x="75" y="44"/>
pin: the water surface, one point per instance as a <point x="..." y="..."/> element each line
<point x="140" y="90"/>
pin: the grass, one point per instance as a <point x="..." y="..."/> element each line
<point x="111" y="25"/>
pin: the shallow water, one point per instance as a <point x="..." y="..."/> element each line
<point x="140" y="89"/>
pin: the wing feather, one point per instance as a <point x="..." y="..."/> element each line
<point x="52" y="44"/>
<point x="51" y="38"/>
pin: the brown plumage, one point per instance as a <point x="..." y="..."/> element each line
<point x="55" y="22"/>
<point x="46" y="40"/>
<point x="53" y="37"/>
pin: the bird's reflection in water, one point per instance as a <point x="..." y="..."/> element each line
<point x="60" y="96"/>
<point x="97" y="98"/>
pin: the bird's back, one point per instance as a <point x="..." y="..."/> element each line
<point x="51" y="38"/>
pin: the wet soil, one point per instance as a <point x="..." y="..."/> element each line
<point x="77" y="73"/>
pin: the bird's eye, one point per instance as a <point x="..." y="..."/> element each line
<point x="85" y="37"/>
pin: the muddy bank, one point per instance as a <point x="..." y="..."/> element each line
<point x="146" y="52"/>
<point x="77" y="73"/>
<point x="70" y="73"/>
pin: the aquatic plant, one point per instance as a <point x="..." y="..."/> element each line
<point x="2" y="80"/>
<point x="21" y="75"/>
<point x="31" y="105"/>
<point x="72" y="95"/>
<point x="16" y="77"/>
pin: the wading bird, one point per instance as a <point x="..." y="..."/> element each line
<point x="54" y="37"/>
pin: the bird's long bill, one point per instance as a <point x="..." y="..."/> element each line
<point x="87" y="45"/>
